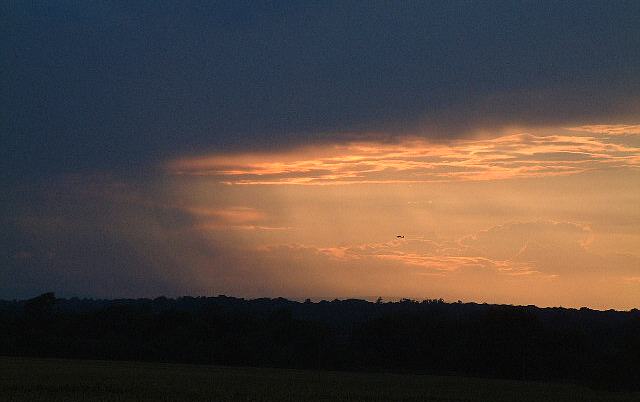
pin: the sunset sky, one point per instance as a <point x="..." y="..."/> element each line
<point x="262" y="150"/>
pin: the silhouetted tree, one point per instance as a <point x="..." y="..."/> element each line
<point x="601" y="348"/>
<point x="40" y="306"/>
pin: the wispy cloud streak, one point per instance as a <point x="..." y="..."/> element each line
<point x="412" y="159"/>
<point x="429" y="257"/>
<point x="610" y="129"/>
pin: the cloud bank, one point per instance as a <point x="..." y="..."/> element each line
<point x="120" y="86"/>
<point x="415" y="160"/>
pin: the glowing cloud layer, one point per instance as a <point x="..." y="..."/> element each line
<point x="416" y="160"/>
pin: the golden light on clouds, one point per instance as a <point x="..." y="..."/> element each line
<point x="610" y="129"/>
<point x="547" y="217"/>
<point x="416" y="160"/>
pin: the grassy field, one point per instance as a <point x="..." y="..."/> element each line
<point x="66" y="380"/>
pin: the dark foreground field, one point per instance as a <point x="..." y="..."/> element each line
<point x="68" y="380"/>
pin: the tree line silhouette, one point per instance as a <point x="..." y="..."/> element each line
<point x="599" y="348"/>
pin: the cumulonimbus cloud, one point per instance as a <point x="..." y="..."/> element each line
<point x="231" y="76"/>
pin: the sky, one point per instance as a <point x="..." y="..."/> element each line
<point x="267" y="149"/>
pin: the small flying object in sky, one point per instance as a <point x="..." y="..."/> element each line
<point x="400" y="236"/>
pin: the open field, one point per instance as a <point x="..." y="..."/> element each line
<point x="66" y="380"/>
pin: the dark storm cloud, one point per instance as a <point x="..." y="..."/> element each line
<point x="94" y="86"/>
<point x="97" y="236"/>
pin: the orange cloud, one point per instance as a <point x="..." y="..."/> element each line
<point x="231" y="218"/>
<point x="439" y="258"/>
<point x="415" y="160"/>
<point x="611" y="129"/>
<point x="231" y="215"/>
<point x="540" y="249"/>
